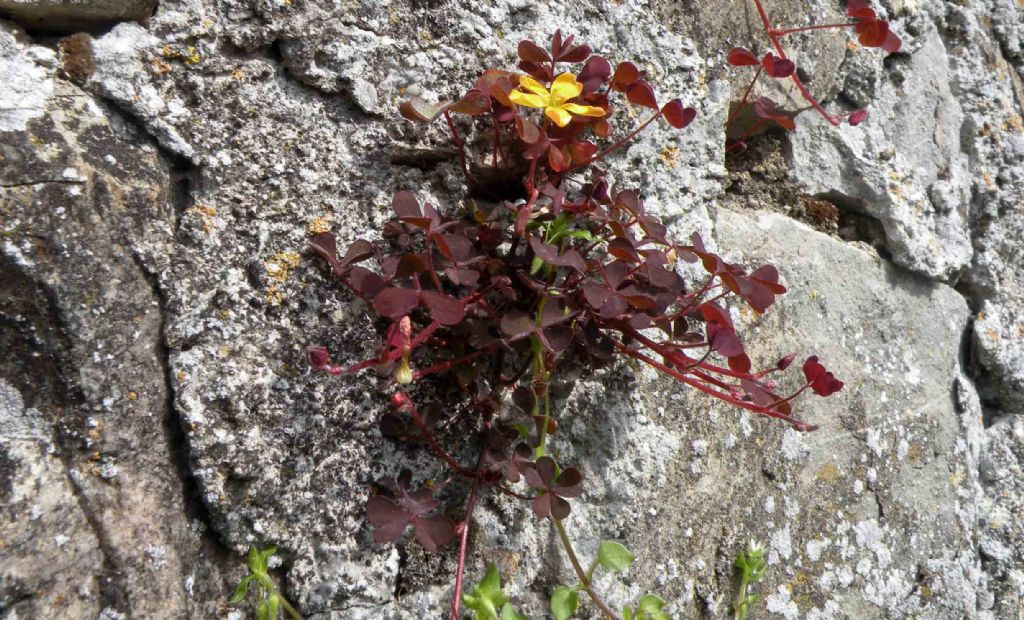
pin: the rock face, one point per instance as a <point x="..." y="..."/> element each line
<point x="158" y="187"/>
<point x="73" y="15"/>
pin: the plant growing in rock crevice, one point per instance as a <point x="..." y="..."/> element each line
<point x="496" y="298"/>
<point x="871" y="32"/>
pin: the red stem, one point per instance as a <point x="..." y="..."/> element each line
<point x="797" y="424"/>
<point x="464" y="539"/>
<point x="462" y="148"/>
<point x="746" y="94"/>
<point x="774" y="38"/>
<point x="438" y="450"/>
<point x="615" y="146"/>
<point x="443" y="366"/>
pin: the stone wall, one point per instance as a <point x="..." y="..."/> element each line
<point x="158" y="184"/>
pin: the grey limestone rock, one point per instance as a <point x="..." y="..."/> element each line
<point x="74" y="15"/>
<point x="159" y="186"/>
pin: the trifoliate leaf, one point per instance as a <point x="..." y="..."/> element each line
<point x="614" y="556"/>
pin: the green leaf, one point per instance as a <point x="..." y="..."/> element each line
<point x="264" y="557"/>
<point x="649" y="608"/>
<point x="253" y="559"/>
<point x="581" y="234"/>
<point x="486" y="597"/>
<point x="627" y="613"/>
<point x="508" y="613"/>
<point x="564" y="601"/>
<point x="273" y="606"/>
<point x="240" y="590"/>
<point x="614" y="556"/>
<point x="263" y="610"/>
<point x="558" y="226"/>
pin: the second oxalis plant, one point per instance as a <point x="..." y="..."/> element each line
<point x="496" y="299"/>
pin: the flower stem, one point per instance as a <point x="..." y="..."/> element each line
<point x="464" y="539"/>
<point x="585" y="583"/>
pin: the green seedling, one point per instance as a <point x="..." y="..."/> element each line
<point x="269" y="601"/>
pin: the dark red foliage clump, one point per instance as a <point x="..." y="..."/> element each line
<point x="497" y="296"/>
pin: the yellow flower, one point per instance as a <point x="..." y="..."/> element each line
<point x="564" y="88"/>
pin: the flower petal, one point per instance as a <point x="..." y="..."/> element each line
<point x="525" y="99"/>
<point x="583" y="110"/>
<point x="558" y="116"/>
<point x="533" y="86"/>
<point x="566" y="87"/>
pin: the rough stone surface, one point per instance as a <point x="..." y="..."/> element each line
<point x="940" y="166"/>
<point x="1000" y="533"/>
<point x="157" y="187"/>
<point x="73" y="15"/>
<point x="91" y="456"/>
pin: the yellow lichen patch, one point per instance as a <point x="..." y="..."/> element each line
<point x="159" y="67"/>
<point x="188" y="55"/>
<point x="238" y="74"/>
<point x="828" y="473"/>
<point x="274" y="296"/>
<point x="318" y="225"/>
<point x="669" y="155"/>
<point x="280" y="264"/>
<point x="132" y="395"/>
<point x="1014" y="124"/>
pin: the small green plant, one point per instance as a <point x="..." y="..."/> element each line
<point x="750" y="565"/>
<point x="269" y="601"/>
<point x="488" y="602"/>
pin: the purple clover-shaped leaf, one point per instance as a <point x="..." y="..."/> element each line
<point x="391" y="516"/>
<point x="551" y="502"/>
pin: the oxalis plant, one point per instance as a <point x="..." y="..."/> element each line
<point x="748" y="118"/>
<point x="551" y="266"/>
